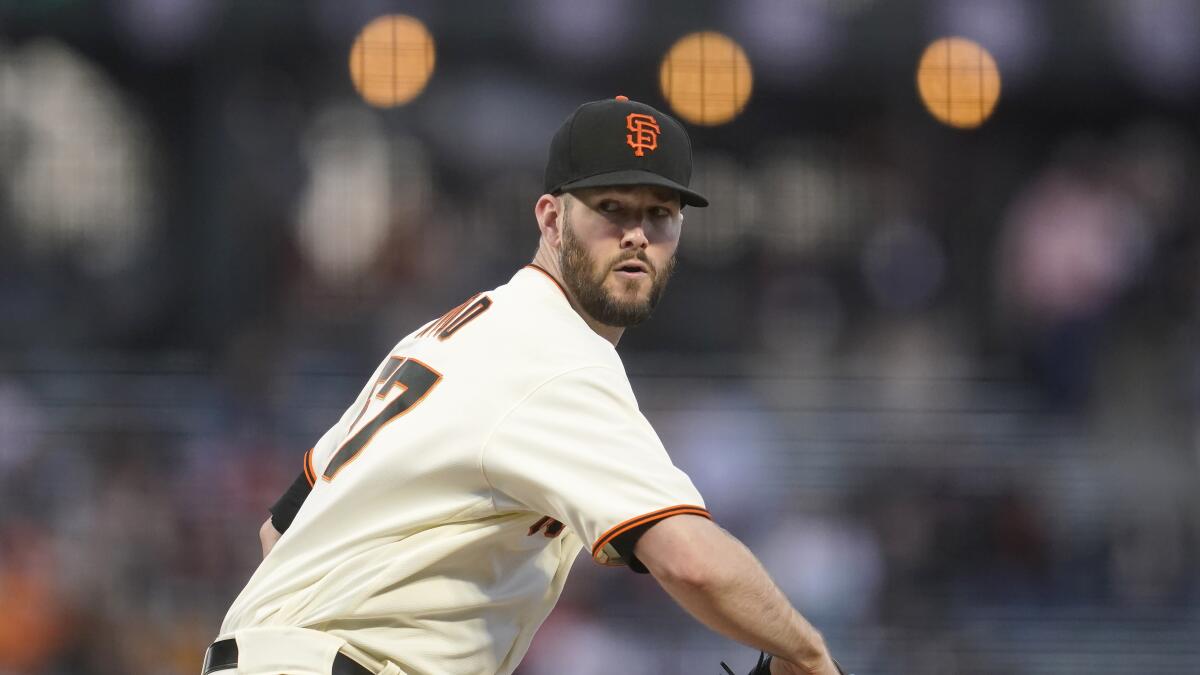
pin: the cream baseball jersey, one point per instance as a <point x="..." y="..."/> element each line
<point x="452" y="497"/>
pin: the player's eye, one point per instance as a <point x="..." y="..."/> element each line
<point x="608" y="206"/>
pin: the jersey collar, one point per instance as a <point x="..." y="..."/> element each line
<point x="539" y="268"/>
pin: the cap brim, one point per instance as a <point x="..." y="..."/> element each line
<point x="636" y="177"/>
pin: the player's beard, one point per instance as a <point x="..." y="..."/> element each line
<point x="586" y="280"/>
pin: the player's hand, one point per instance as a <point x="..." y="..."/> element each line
<point x="267" y="536"/>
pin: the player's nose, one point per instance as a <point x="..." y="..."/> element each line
<point x="634" y="236"/>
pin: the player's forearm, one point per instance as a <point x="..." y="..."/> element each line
<point x="740" y="601"/>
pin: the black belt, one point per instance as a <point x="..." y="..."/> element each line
<point x="223" y="655"/>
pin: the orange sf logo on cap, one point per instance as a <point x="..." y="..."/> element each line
<point x="644" y="133"/>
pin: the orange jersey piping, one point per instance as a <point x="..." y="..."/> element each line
<point x="309" y="474"/>
<point x="621" y="528"/>
<point x="550" y="277"/>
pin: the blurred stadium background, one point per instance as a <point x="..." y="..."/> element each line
<point x="933" y="352"/>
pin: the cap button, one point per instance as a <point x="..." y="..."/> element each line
<point x="622" y="98"/>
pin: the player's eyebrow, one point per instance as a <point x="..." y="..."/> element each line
<point x="660" y="196"/>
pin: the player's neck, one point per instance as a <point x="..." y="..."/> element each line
<point x="549" y="262"/>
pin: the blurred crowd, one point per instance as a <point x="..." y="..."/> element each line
<point x="947" y="384"/>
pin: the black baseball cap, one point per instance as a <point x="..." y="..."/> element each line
<point x="621" y="142"/>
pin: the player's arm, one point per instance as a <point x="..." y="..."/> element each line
<point x="284" y="510"/>
<point x="267" y="536"/>
<point x="578" y="449"/>
<point x="718" y="580"/>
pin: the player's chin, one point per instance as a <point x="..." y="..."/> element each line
<point x="627" y="314"/>
<point x="631" y="295"/>
<point x="634" y="304"/>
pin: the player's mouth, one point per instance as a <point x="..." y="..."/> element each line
<point x="632" y="269"/>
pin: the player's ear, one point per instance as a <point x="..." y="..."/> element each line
<point x="549" y="213"/>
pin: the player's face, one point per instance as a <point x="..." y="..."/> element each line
<point x="618" y="250"/>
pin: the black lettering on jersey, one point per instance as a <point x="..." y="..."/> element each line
<point x="391" y="378"/>
<point x="437" y="326"/>
<point x="466" y="316"/>
<point x="549" y="527"/>
<point x="387" y="371"/>
<point x="416" y="379"/>
<point x="452" y="321"/>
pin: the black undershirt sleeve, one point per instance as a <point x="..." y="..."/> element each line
<point x="625" y="543"/>
<point x="284" y="510"/>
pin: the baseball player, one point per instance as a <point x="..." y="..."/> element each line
<point x="432" y="527"/>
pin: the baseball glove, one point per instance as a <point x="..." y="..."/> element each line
<point x="763" y="667"/>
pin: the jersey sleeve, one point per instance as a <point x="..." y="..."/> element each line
<point x="579" y="450"/>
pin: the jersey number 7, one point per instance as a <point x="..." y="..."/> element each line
<point x="416" y="381"/>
